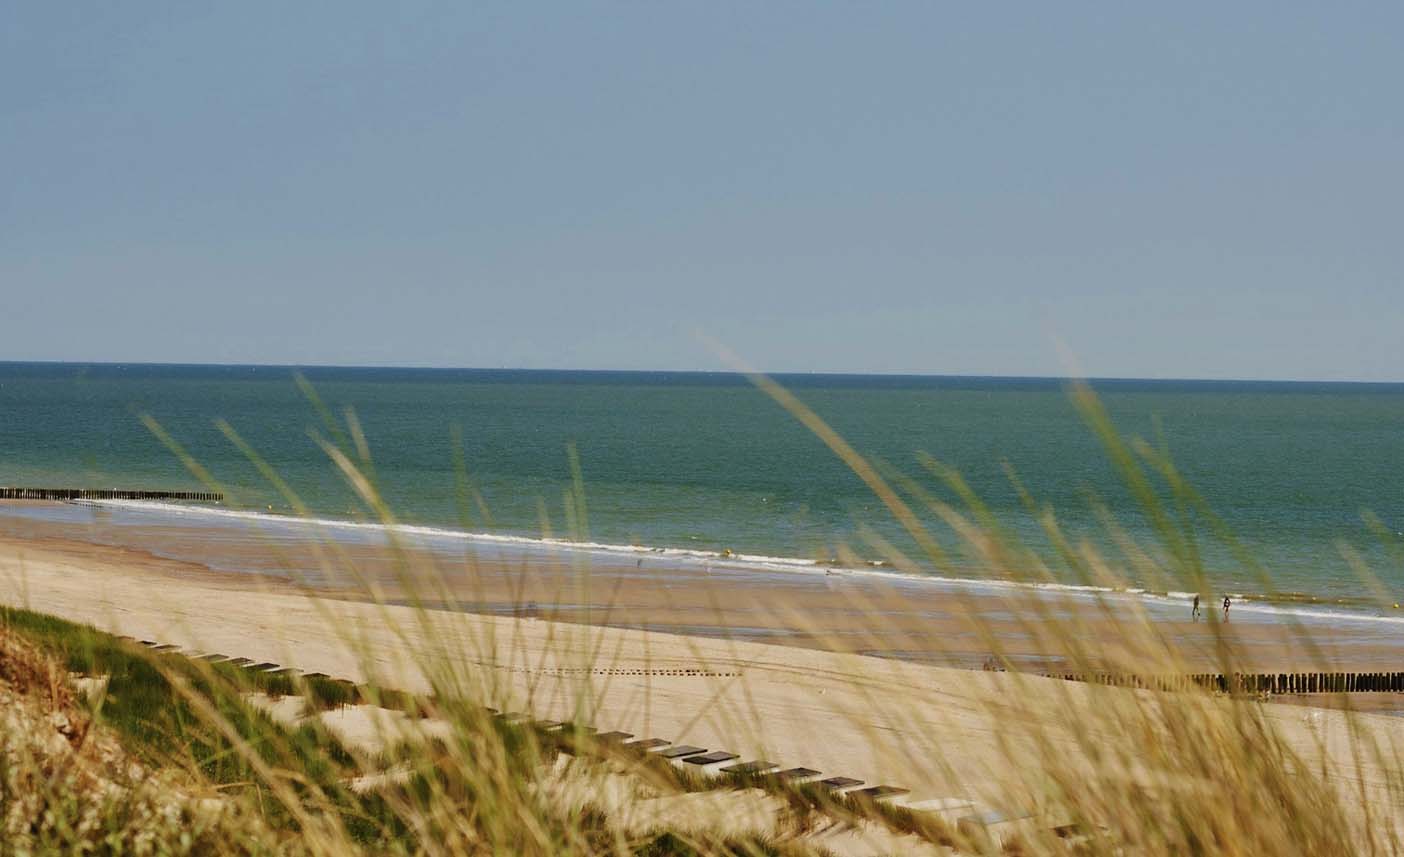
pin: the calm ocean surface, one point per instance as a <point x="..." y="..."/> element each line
<point x="705" y="462"/>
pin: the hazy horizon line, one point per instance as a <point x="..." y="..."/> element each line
<point x="834" y="373"/>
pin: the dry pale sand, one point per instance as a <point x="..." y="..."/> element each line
<point x="938" y="731"/>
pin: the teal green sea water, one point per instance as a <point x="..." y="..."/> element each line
<point x="706" y="462"/>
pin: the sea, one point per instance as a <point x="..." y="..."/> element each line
<point x="1301" y="483"/>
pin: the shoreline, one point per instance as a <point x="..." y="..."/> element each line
<point x="1277" y="607"/>
<point x="895" y="618"/>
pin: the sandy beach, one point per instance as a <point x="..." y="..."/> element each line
<point x="937" y="730"/>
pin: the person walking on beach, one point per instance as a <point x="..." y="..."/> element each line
<point x="1194" y="611"/>
<point x="1227" y="602"/>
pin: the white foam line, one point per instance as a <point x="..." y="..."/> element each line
<point x="714" y="557"/>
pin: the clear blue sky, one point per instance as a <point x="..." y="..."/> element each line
<point x="1174" y="190"/>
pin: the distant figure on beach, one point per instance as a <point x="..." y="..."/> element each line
<point x="1227" y="602"/>
<point x="1194" y="611"/>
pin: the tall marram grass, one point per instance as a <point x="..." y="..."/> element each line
<point x="1116" y="771"/>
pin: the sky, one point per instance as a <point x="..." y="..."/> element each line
<point x="1138" y="190"/>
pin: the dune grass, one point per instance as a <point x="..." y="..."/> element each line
<point x="142" y="706"/>
<point x="149" y="703"/>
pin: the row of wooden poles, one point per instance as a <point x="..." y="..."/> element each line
<point x="105" y="494"/>
<point x="1255" y="683"/>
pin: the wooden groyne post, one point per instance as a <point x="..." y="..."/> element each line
<point x="1253" y="683"/>
<point x="107" y="494"/>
